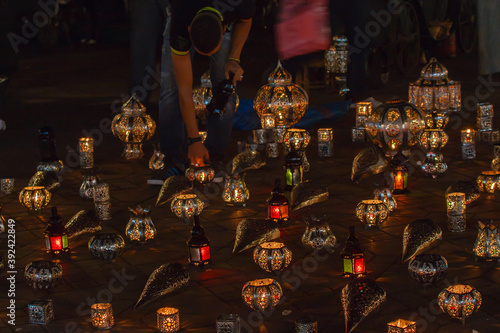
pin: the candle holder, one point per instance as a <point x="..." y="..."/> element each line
<point x="468" y="144"/>
<point x="456" y="206"/>
<point x="86" y="150"/>
<point x="101" y="315"/>
<point x="268" y="121"/>
<point x="140" y="227"/>
<point x="102" y="201"/>
<point x="40" y="312"/>
<point x="487" y="181"/>
<point x="363" y="111"/>
<point x="262" y="294"/>
<point x="228" y="323"/>
<point x="272" y="256"/>
<point x="7" y="185"/>
<point x="34" y="198"/>
<point x="372" y="213"/>
<point x="167" y="319"/>
<point x="402" y="326"/>
<point x="325" y="142"/>
<point x="428" y="269"/>
<point x="235" y="191"/>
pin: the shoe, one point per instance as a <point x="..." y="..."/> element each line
<point x="219" y="171"/>
<point x="159" y="177"/>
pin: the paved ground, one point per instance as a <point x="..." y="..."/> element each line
<point x="74" y="90"/>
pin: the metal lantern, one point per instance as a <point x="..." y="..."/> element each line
<point x="428" y="269"/>
<point x="102" y="201"/>
<point x="167" y="320"/>
<point x="325" y="142"/>
<point x="268" y="120"/>
<point x="43" y="274"/>
<point x="86" y="150"/>
<point x="353" y="261"/>
<point x="296" y="139"/>
<point x="199" y="245"/>
<point x="7" y="185"/>
<point x="228" y="323"/>
<point x="402" y="326"/>
<point x="306" y="325"/>
<point x="34" y="198"/>
<point x="90" y="180"/>
<point x="400" y="175"/>
<point x="261" y="136"/>
<point x="40" y="312"/>
<point x="459" y="301"/>
<point x="286" y="100"/>
<point x="487" y="181"/>
<point x="235" y="191"/>
<point x="272" y="256"/>
<point x="140" y="227"/>
<point x="279" y="133"/>
<point x="262" y="294"/>
<point x="372" y="213"/>
<point x="186" y="207"/>
<point x="272" y="150"/>
<point x="56" y="236"/>
<point x="468" y="138"/>
<point x="133" y="126"/>
<point x="318" y="234"/>
<point x="485" y="117"/>
<point x="101" y="316"/>
<point x="294" y="171"/>
<point x="202" y="96"/>
<point x="277" y="204"/>
<point x="202" y="175"/>
<point x="395" y="126"/>
<point x="456" y="206"/>
<point x="106" y="246"/>
<point x="487" y="245"/>
<point x="48" y="157"/>
<point x="495" y="163"/>
<point x="336" y="59"/>
<point x="385" y="196"/>
<point x="433" y="140"/>
<point x="156" y="161"/>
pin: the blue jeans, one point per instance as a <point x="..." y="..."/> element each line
<point x="171" y="125"/>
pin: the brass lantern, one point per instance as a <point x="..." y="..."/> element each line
<point x="262" y="294"/>
<point x="487" y="246"/>
<point x="101" y="315"/>
<point x="140" y="227"/>
<point x="235" y="191"/>
<point x="202" y="96"/>
<point x="272" y="256"/>
<point x="286" y="100"/>
<point x="133" y="126"/>
<point x="433" y="140"/>
<point x="297" y="139"/>
<point x="487" y="181"/>
<point x="201" y="174"/>
<point x="402" y="326"/>
<point x="459" y="301"/>
<point x="186" y="207"/>
<point x="395" y="126"/>
<point x="167" y="319"/>
<point x="34" y="198"/>
<point x="372" y="213"/>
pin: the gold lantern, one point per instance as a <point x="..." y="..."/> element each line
<point x="272" y="256"/>
<point x="101" y="315"/>
<point x="34" y="198"/>
<point x="487" y="246"/>
<point x="286" y="100"/>
<point x="372" y="213"/>
<point x="268" y="121"/>
<point x="296" y="139"/>
<point x="168" y="319"/>
<point x="235" y="191"/>
<point x="459" y="301"/>
<point x="202" y="96"/>
<point x="402" y="326"/>
<point x="262" y="294"/>
<point x="201" y="174"/>
<point x="468" y="138"/>
<point x="186" y="207"/>
<point x="487" y="181"/>
<point x="133" y="126"/>
<point x="86" y="150"/>
<point x="140" y="227"/>
<point x="433" y="140"/>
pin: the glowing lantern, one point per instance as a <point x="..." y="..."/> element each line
<point x="262" y="294"/>
<point x="459" y="301"/>
<point x="277" y="204"/>
<point x="272" y="256"/>
<point x="199" y="245"/>
<point x="34" y="198"/>
<point x="487" y="246"/>
<point x="56" y="236"/>
<point x="353" y="261"/>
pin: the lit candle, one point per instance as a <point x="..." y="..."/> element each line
<point x="101" y="315"/>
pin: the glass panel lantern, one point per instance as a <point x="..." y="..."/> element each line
<point x="228" y="323"/>
<point x="487" y="181"/>
<point x="101" y="315"/>
<point x="402" y="326"/>
<point x="133" y="126"/>
<point x="56" y="236"/>
<point x="372" y="213"/>
<point x="43" y="274"/>
<point x="277" y="204"/>
<point x="459" y="301"/>
<point x="318" y="234"/>
<point x="107" y="246"/>
<point x="286" y="100"/>
<point x="186" y="207"/>
<point x="428" y="269"/>
<point x="200" y="174"/>
<point x="235" y="191"/>
<point x="86" y="150"/>
<point x="140" y="227"/>
<point x="199" y="245"/>
<point x="400" y="175"/>
<point x="34" y="198"/>
<point x="353" y="261"/>
<point x="167" y="319"/>
<point x="40" y="312"/>
<point x="294" y="171"/>
<point x="262" y="294"/>
<point x="487" y="245"/>
<point x="272" y="256"/>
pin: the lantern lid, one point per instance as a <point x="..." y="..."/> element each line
<point x="279" y="77"/>
<point x="55" y="224"/>
<point x="133" y="105"/>
<point x="340" y="41"/>
<point x="434" y="70"/>
<point x="138" y="210"/>
<point x="205" y="80"/>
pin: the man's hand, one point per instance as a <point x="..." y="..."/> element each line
<point x="198" y="154"/>
<point x="233" y="66"/>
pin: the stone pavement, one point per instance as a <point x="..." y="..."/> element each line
<point x="64" y="91"/>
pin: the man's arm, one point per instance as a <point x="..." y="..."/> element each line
<point x="241" y="29"/>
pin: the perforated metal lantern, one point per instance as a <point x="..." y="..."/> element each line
<point x="318" y="234"/>
<point x="40" y="311"/>
<point x="487" y="245"/>
<point x="296" y="139"/>
<point x="395" y="126"/>
<point x="402" y="326"/>
<point x="262" y="294"/>
<point x="202" y="175"/>
<point x="459" y="301"/>
<point x="106" y="246"/>
<point x="272" y="256"/>
<point x="186" y="207"/>
<point x="386" y="197"/>
<point x="428" y="269"/>
<point x="286" y="100"/>
<point x="156" y="161"/>
<point x="228" y="323"/>
<point x="167" y="319"/>
<point x="43" y="274"/>
<point x="433" y="139"/>
<point x="487" y="181"/>
<point x="133" y="126"/>
<point x="202" y="96"/>
<point x="101" y="316"/>
<point x="34" y="198"/>
<point x="140" y="227"/>
<point x="372" y="213"/>
<point x="235" y="191"/>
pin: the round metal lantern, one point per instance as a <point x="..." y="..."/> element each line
<point x="106" y="246"/>
<point x="487" y="181"/>
<point x="296" y="139"/>
<point x="372" y="213"/>
<point x="34" y="197"/>
<point x="43" y="274"/>
<point x="281" y="97"/>
<point x="459" y="301"/>
<point x="428" y="269"/>
<point x="140" y="227"/>
<point x="202" y="175"/>
<point x="395" y="126"/>
<point x="386" y="197"/>
<point x="262" y="294"/>
<point x="433" y="139"/>
<point x="186" y="207"/>
<point x="272" y="256"/>
<point x="133" y="126"/>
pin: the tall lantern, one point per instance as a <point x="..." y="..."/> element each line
<point x="199" y="245"/>
<point x="133" y="126"/>
<point x="286" y="100"/>
<point x="56" y="236"/>
<point x="336" y="59"/>
<point x="294" y="171"/>
<point x="298" y="139"/>
<point x="353" y="261"/>
<point x="433" y="140"/>
<point x="277" y="204"/>
<point x="487" y="246"/>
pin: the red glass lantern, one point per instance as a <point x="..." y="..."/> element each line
<point x="400" y="180"/>
<point x="353" y="262"/>
<point x="277" y="204"/>
<point x="56" y="236"/>
<point x="199" y="245"/>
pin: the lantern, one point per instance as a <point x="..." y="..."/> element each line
<point x="286" y="100"/>
<point x="336" y="59"/>
<point x="428" y="269"/>
<point x="156" y="161"/>
<point x="353" y="261"/>
<point x="186" y="207"/>
<point x="262" y="294"/>
<point x="48" y="157"/>
<point x="279" y="133"/>
<point x="363" y="109"/>
<point x="260" y="136"/>
<point x="433" y="140"/>
<point x="318" y="234"/>
<point x="294" y="171"/>
<point x="133" y="126"/>
<point x="277" y="204"/>
<point x="40" y="312"/>
<point x="268" y="121"/>
<point x="372" y="213"/>
<point x="106" y="246"/>
<point x="400" y="175"/>
<point x="487" y="245"/>
<point x="325" y="142"/>
<point x="198" y="245"/>
<point x="34" y="198"/>
<point x="272" y="150"/>
<point x="402" y="326"/>
<point x="456" y="204"/>
<point x="385" y="196"/>
<point x="89" y="182"/>
<point x="306" y="325"/>
<point x="167" y="319"/>
<point x="459" y="301"/>
<point x="86" y="150"/>
<point x="235" y="191"/>
<point x="272" y="256"/>
<point x="43" y="274"/>
<point x="102" y="201"/>
<point x="487" y="181"/>
<point x="228" y="323"/>
<point x="140" y="227"/>
<point x="434" y="164"/>
<point x="495" y="163"/>
<point x="203" y="135"/>
<point x="395" y="126"/>
<point x="297" y="139"/>
<point x="485" y="117"/>
<point x="202" y="96"/>
<point x="7" y="185"/>
<point x="101" y="316"/>
<point x="201" y="174"/>
<point x="56" y="236"/>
